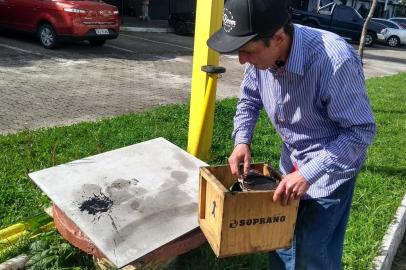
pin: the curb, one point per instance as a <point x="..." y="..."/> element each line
<point x="18" y="262"/>
<point x="146" y="29"/>
<point x="392" y="239"/>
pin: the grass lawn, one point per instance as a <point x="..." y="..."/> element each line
<point x="380" y="186"/>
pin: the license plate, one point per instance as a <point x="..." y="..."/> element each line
<point x="102" y="31"/>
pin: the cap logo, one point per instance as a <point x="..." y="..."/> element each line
<point x="228" y="21"/>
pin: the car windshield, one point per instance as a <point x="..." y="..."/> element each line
<point x="387" y="23"/>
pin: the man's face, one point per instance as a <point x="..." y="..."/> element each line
<point x="258" y="54"/>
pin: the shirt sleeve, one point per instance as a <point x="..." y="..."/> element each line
<point x="248" y="107"/>
<point x="347" y="105"/>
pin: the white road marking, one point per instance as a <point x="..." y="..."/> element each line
<point x="171" y="59"/>
<point x="159" y="42"/>
<point x="119" y="48"/>
<point x="68" y="62"/>
<point x="63" y="61"/>
<point x="19" y="50"/>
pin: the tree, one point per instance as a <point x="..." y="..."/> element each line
<point x="401" y="9"/>
<point x="365" y="28"/>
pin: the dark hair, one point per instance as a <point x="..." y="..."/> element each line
<point x="287" y="28"/>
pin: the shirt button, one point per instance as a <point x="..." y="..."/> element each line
<point x="281" y="119"/>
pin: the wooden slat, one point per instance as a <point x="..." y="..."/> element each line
<point x="206" y="173"/>
<point x="202" y="196"/>
<point x="211" y="204"/>
<point x="223" y="174"/>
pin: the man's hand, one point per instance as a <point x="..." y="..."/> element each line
<point x="293" y="186"/>
<point x="241" y="153"/>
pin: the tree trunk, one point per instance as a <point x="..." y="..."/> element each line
<point x="365" y="28"/>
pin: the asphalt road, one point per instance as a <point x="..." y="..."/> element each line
<point x="42" y="88"/>
<point x="136" y="72"/>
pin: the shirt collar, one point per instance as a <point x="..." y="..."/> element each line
<point x="296" y="57"/>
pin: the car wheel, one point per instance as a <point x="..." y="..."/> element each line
<point x="97" y="43"/>
<point x="393" y="41"/>
<point x="369" y="39"/>
<point x="180" y="28"/>
<point x="47" y="36"/>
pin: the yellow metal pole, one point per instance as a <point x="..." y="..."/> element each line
<point x="201" y="120"/>
<point x="208" y="20"/>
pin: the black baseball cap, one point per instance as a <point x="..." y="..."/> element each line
<point x="244" y="20"/>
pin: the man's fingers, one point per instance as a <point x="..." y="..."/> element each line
<point x="291" y="197"/>
<point x="240" y="154"/>
<point x="233" y="166"/>
<point x="247" y="164"/>
<point x="287" y="192"/>
<point x="295" y="194"/>
<point x="286" y="196"/>
<point x="279" y="191"/>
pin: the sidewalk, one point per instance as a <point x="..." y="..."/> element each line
<point x="133" y="24"/>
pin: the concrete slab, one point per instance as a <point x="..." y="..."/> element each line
<point x="129" y="201"/>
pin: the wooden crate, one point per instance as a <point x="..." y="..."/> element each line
<point x="242" y="222"/>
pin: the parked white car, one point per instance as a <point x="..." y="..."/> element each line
<point x="394" y="34"/>
<point x="399" y="20"/>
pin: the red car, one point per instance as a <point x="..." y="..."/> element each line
<point x="57" y="20"/>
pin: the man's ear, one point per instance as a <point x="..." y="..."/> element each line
<point x="279" y="37"/>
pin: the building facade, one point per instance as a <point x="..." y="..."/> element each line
<point x="157" y="9"/>
<point x="161" y="9"/>
<point x="384" y="8"/>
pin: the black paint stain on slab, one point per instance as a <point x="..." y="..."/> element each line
<point x="113" y="223"/>
<point x="96" y="204"/>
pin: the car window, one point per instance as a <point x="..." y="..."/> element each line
<point x="326" y="9"/>
<point x="398" y="20"/>
<point x="393" y="25"/>
<point x="342" y="13"/>
<point x="387" y="23"/>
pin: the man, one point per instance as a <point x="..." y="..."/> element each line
<point x="145" y="15"/>
<point x="311" y="84"/>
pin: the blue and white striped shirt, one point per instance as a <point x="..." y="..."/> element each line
<point x="319" y="107"/>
